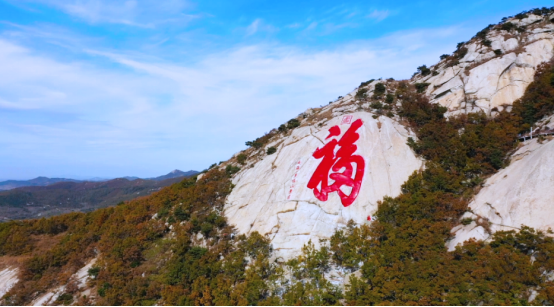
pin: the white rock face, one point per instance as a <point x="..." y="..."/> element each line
<point x="8" y="278"/>
<point x="273" y="198"/>
<point x="80" y="277"/>
<point x="520" y="194"/>
<point x="484" y="81"/>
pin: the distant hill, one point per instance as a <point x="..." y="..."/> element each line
<point x="39" y="181"/>
<point x="67" y="195"/>
<point x="45" y="181"/>
<point x="174" y="174"/>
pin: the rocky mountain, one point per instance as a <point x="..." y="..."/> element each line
<point x="486" y="74"/>
<point x="432" y="190"/>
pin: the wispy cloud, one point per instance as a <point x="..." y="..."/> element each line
<point x="379" y="15"/>
<point x="137" y="13"/>
<point x="140" y="108"/>
<point x="258" y="25"/>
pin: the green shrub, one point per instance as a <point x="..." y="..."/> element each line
<point x="293" y="123"/>
<point x="498" y="52"/>
<point x="483" y="33"/>
<point x="206" y="229"/>
<point x="271" y="150"/>
<point x="231" y="169"/>
<point x="379" y="89"/>
<point x="486" y="42"/>
<point x="282" y="128"/>
<point x="65" y="299"/>
<point x="93" y="272"/>
<point x="389" y="98"/>
<point x="424" y="70"/>
<point x="460" y="53"/>
<point x="360" y="94"/>
<point x="241" y="158"/>
<point x="466" y="221"/>
<point x="521" y="16"/>
<point x="508" y="26"/>
<point x="444" y="56"/>
<point x="366" y="83"/>
<point x="376" y="105"/>
<point x="421" y="87"/>
<point x="181" y="214"/>
<point x="254" y="144"/>
<point x="171" y="219"/>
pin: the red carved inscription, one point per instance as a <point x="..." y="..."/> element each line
<point x="338" y="166"/>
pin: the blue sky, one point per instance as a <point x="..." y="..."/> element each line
<point x="98" y="88"/>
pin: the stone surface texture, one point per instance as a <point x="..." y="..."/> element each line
<point x="261" y="200"/>
<point x="80" y="279"/>
<point x="520" y="194"/>
<point x="485" y="81"/>
<point x="8" y="278"/>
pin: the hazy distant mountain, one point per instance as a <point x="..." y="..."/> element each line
<point x="39" y="181"/>
<point x="174" y="174"/>
<point x="72" y="195"/>
<point x="45" y="181"/>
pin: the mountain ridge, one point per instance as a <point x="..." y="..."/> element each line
<point x="44" y="181"/>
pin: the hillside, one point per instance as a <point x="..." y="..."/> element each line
<point x="70" y="196"/>
<point x="366" y="201"/>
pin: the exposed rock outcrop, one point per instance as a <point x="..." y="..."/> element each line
<point x="272" y="197"/>
<point x="8" y="278"/>
<point x="490" y="78"/>
<point x="487" y="73"/>
<point x="520" y="194"/>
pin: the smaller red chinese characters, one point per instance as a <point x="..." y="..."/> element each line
<point x="344" y="158"/>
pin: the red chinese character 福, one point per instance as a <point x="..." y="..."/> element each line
<point x="343" y="158"/>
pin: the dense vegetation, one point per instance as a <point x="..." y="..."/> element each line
<point x="175" y="247"/>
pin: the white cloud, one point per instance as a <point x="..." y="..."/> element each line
<point x="144" y="115"/>
<point x="379" y="15"/>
